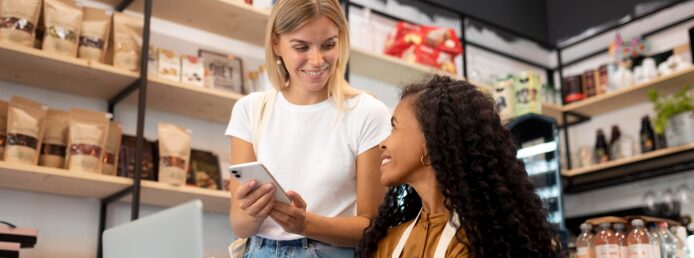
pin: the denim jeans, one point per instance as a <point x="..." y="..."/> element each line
<point x="259" y="247"/>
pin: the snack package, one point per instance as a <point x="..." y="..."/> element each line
<point x="53" y="149"/>
<point x="63" y="23"/>
<point x="94" y="38"/>
<point x="112" y="149"/>
<point x="168" y="65"/>
<point x="18" y="21"/>
<point x="25" y="120"/>
<point x="127" y="41"/>
<point x="426" y="45"/>
<point x="174" y="154"/>
<point x="3" y="127"/>
<point x="192" y="70"/>
<point x="86" y="141"/>
<point x="126" y="159"/>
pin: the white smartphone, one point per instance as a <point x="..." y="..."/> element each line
<point x="256" y="171"/>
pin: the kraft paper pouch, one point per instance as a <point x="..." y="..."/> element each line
<point x="87" y="137"/>
<point x="24" y="130"/>
<point x="174" y="154"/>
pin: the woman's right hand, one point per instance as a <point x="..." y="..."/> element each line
<point x="256" y="200"/>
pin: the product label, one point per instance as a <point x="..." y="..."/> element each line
<point x="84" y="163"/>
<point x="583" y="252"/>
<point x="640" y="251"/>
<point x="52" y="161"/>
<point x="624" y="252"/>
<point x="607" y="251"/>
<point x="108" y="169"/>
<point x="172" y="175"/>
<point x="20" y="154"/>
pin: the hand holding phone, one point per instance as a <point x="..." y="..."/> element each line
<point x="247" y="172"/>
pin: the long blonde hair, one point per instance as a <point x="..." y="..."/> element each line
<point x="288" y="16"/>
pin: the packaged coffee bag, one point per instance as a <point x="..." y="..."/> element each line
<point x="63" y="22"/>
<point x="55" y="134"/>
<point x="96" y="29"/>
<point x="127" y="41"/>
<point x="18" y="21"/>
<point x="174" y="154"/>
<point x="3" y="128"/>
<point x="126" y="159"/>
<point x="112" y="148"/>
<point x="86" y="140"/>
<point x="24" y="130"/>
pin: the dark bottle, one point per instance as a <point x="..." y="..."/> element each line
<point x="616" y="134"/>
<point x="647" y="135"/>
<point x="602" y="150"/>
<point x="615" y="143"/>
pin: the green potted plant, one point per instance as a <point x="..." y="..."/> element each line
<point x="674" y="116"/>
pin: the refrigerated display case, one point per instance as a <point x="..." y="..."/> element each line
<point x="537" y="143"/>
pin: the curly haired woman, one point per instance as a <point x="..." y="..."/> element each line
<point x="456" y="187"/>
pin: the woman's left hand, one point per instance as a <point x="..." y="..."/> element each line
<point x="291" y="217"/>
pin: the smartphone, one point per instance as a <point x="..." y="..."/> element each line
<point x="256" y="171"/>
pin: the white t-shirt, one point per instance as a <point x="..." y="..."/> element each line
<point x="309" y="151"/>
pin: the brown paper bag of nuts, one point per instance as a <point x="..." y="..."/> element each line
<point x="174" y="154"/>
<point x="18" y="21"/>
<point x="63" y="23"/>
<point x="24" y="130"/>
<point x="112" y="149"/>
<point x="86" y="140"/>
<point x="127" y="41"/>
<point x="96" y="29"/>
<point x="55" y="134"/>
<point x="3" y="128"/>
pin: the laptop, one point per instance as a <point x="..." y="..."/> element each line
<point x="171" y="233"/>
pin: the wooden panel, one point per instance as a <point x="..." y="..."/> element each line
<point x="632" y="95"/>
<point x="187" y="100"/>
<point x="60" y="181"/>
<point x="37" y="68"/>
<point x="387" y="68"/>
<point x="159" y="194"/>
<point x="552" y="110"/>
<point x="616" y="163"/>
<point x="87" y="185"/>
<point x="231" y="18"/>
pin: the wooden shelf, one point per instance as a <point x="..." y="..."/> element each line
<point x="552" y="110"/>
<point x="656" y="163"/>
<point x="388" y="69"/>
<point x="231" y="18"/>
<point x="621" y="162"/>
<point x="46" y="70"/>
<point x="632" y="95"/>
<point x="192" y="101"/>
<point x="159" y="194"/>
<point x="87" y="185"/>
<point x="60" y="181"/>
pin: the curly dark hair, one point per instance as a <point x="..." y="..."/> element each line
<point x="476" y="168"/>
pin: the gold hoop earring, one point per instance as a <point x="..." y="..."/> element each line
<point x="421" y="159"/>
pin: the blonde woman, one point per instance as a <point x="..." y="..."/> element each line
<point x="317" y="135"/>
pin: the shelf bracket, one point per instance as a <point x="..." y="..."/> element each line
<point x="124" y="5"/>
<point x="580" y="118"/>
<point x="122" y="95"/>
<point x="102" y="214"/>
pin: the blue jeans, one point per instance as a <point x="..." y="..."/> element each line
<point x="259" y="247"/>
